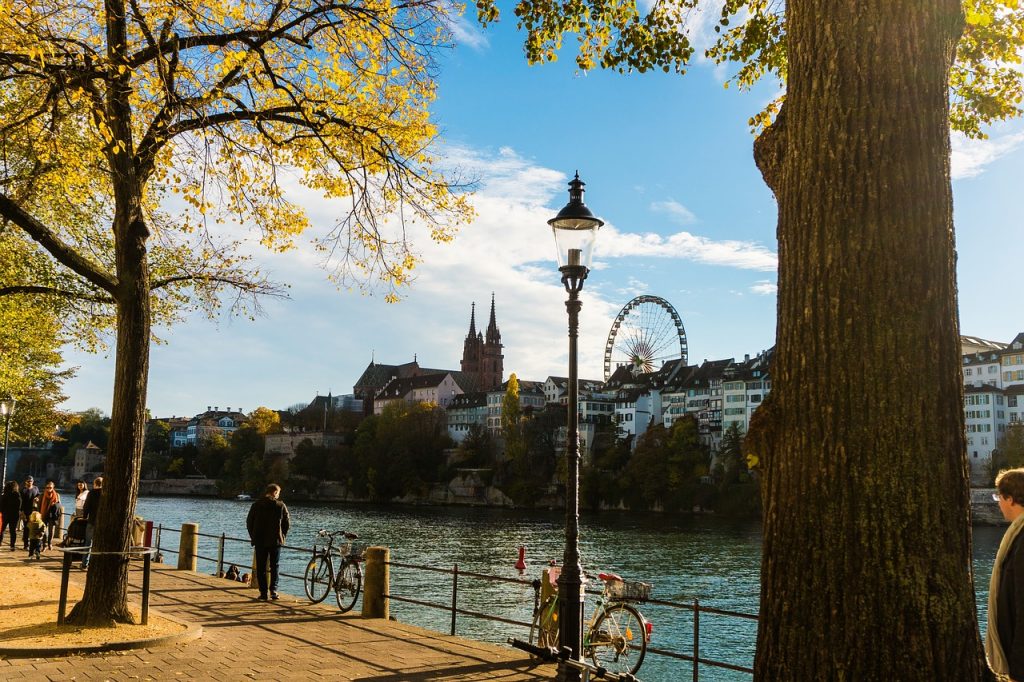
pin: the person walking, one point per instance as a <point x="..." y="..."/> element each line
<point x="29" y="493"/>
<point x="89" y="512"/>
<point x="52" y="512"/>
<point x="268" y="526"/>
<point x="10" y="508"/>
<point x="1004" y="640"/>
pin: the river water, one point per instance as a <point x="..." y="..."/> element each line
<point x="713" y="560"/>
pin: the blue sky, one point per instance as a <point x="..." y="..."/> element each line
<point x="668" y="165"/>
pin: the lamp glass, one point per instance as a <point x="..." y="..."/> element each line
<point x="575" y="244"/>
<point x="6" y="406"/>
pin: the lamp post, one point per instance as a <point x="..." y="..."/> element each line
<point x="575" y="228"/>
<point x="6" y="411"/>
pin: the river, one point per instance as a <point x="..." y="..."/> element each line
<point x="713" y="560"/>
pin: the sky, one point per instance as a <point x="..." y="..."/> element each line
<point x="668" y="165"/>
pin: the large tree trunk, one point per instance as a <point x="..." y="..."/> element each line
<point x="105" y="599"/>
<point x="106" y="589"/>
<point x="866" y="570"/>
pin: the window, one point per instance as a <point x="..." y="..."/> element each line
<point x="967" y="372"/>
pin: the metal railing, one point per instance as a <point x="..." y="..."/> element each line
<point x="73" y="553"/>
<point x="693" y="608"/>
<point x="223" y="557"/>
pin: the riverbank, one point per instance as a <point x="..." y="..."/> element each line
<point x="467" y="490"/>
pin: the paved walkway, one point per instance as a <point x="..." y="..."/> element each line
<point x="245" y="639"/>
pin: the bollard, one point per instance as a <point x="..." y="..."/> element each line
<point x="189" y="547"/>
<point x="253" y="582"/>
<point x="220" y="556"/>
<point x="148" y="539"/>
<point x="376" y="583"/>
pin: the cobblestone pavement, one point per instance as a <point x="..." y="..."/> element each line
<point x="246" y="639"/>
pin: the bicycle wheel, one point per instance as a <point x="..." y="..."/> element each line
<point x="544" y="628"/>
<point x="318" y="578"/>
<point x="618" y="640"/>
<point x="348" y="584"/>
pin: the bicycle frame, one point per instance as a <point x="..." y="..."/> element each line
<point x="596" y="636"/>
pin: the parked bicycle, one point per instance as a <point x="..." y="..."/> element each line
<point x="321" y="578"/>
<point x="616" y="635"/>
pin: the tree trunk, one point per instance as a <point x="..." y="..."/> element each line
<point x="105" y="599"/>
<point x="866" y="569"/>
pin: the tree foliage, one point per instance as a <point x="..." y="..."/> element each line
<point x="1010" y="451"/>
<point x="30" y="359"/>
<point x="985" y="80"/>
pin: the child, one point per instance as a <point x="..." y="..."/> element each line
<point x="36" y="533"/>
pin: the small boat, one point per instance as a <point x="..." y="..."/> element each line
<point x="243" y="497"/>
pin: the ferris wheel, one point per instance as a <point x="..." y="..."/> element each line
<point x="646" y="333"/>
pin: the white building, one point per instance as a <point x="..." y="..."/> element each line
<point x="433" y="389"/>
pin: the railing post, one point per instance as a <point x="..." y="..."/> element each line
<point x="159" y="534"/>
<point x="376" y="583"/>
<point x="64" y="576"/>
<point x="147" y="559"/>
<point x="220" y="556"/>
<point x="696" y="639"/>
<point x="455" y="596"/>
<point x="188" y="547"/>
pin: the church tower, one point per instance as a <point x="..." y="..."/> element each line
<point x="492" y="361"/>
<point x="482" y="359"/>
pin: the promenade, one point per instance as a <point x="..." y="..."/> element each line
<point x="245" y="639"/>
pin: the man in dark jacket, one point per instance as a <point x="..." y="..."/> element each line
<point x="29" y="493"/>
<point x="89" y="513"/>
<point x="268" y="526"/>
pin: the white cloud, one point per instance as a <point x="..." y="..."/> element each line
<point x="970" y="157"/>
<point x="467" y="32"/>
<point x="676" y="211"/>
<point x="764" y="288"/>
<point x="687" y="246"/>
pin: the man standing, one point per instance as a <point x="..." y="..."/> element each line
<point x="1004" y="641"/>
<point x="268" y="526"/>
<point x="29" y="493"/>
<point x="89" y="511"/>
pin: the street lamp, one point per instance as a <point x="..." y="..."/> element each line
<point x="6" y="411"/>
<point x="575" y="228"/>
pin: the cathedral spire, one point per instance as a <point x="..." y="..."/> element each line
<point x="472" y="321"/>
<point x="493" y="335"/>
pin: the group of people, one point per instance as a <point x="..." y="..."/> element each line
<point x="40" y="515"/>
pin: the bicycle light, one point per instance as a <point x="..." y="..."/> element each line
<point x="649" y="626"/>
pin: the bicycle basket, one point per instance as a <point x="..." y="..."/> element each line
<point x="628" y="590"/>
<point x="354" y="552"/>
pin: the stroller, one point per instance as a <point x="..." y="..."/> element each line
<point x="75" y="534"/>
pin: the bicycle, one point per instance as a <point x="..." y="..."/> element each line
<point x="616" y="636"/>
<point x="320" y="576"/>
